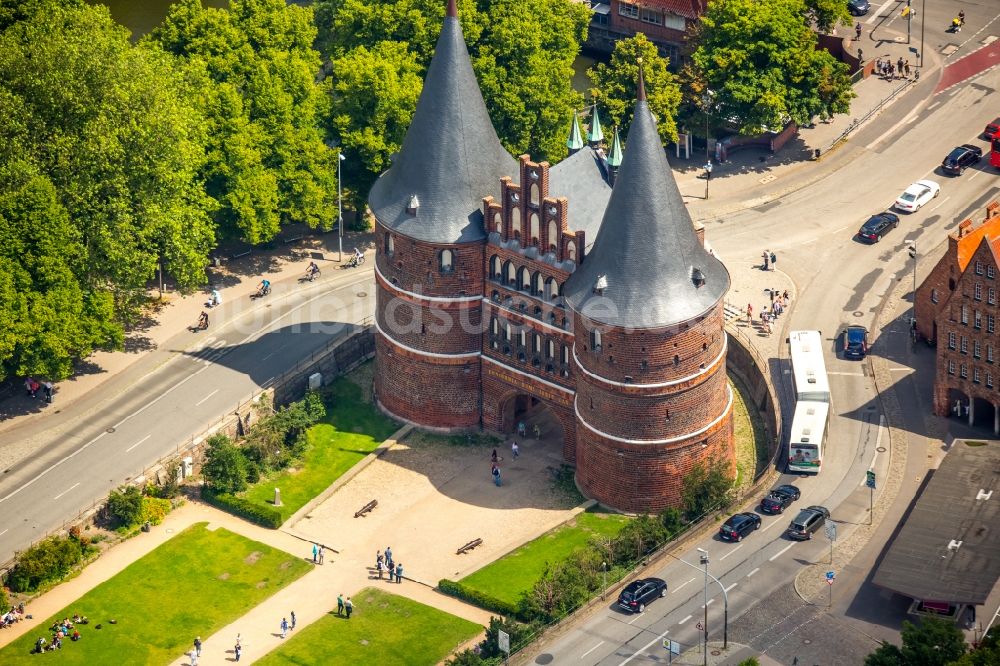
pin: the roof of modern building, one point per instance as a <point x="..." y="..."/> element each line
<point x="948" y="550"/>
<point x="582" y="179"/>
<point x="656" y="271"/>
<point x="451" y="157"/>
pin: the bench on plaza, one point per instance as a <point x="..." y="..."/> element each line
<point x="365" y="509"/>
<point x="469" y="546"/>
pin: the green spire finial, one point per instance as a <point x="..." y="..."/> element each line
<point x="615" y="158"/>
<point x="596" y="134"/>
<point x="575" y="141"/>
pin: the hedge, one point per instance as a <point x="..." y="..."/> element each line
<point x="255" y="513"/>
<point x="477" y="598"/>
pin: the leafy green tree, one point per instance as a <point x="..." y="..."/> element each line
<point x="615" y="86"/>
<point x="827" y="14"/>
<point x="563" y="588"/>
<point x="987" y="653"/>
<point x="707" y="487"/>
<point x="268" y="161"/>
<point x="125" y="506"/>
<point x="933" y="642"/>
<point x="375" y="92"/>
<point x="760" y="61"/>
<point x="225" y="468"/>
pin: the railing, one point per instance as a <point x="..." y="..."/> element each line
<point x="858" y="122"/>
<point x="189" y="444"/>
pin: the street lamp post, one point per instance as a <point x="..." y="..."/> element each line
<point x="340" y="209"/>
<point x="704" y="641"/>
<point x="923" y="20"/>
<point x="725" y="599"/>
<point x="706" y="100"/>
<point x="604" y="568"/>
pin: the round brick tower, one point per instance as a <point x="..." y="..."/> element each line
<point x="430" y="239"/>
<point x="650" y="346"/>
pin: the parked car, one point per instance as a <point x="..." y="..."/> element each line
<point x="807" y="523"/>
<point x="739" y="526"/>
<point x="961" y="158"/>
<point x="878" y="226"/>
<point x="855" y="341"/>
<point x="638" y="593"/>
<point x="858" y="7"/>
<point x="992" y="128"/>
<point x="916" y="195"/>
<point x="779" y="499"/>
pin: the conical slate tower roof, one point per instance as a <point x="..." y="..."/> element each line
<point x="596" y="134"/>
<point x="646" y="268"/>
<point x="575" y="140"/>
<point x="615" y="156"/>
<point x="451" y="157"/>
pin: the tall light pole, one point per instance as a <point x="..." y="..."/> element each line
<point x="706" y="101"/>
<point x="704" y="641"/>
<point x="340" y="209"/>
<point x="911" y="246"/>
<point x="923" y="20"/>
<point x="725" y="599"/>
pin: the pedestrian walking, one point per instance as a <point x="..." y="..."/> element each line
<point x="378" y="567"/>
<point x="193" y="656"/>
<point x="378" y="556"/>
<point x="197" y="645"/>
<point x="899" y="65"/>
<point x="496" y="475"/>
<point x="749" y="313"/>
<point x="322" y="551"/>
<point x="284" y="627"/>
<point x="515" y="450"/>
<point x="494" y="457"/>
<point x="340" y="604"/>
<point x="521" y="428"/>
<point x="774" y="260"/>
<point x="48" y="390"/>
<point x="293" y="619"/>
<point x="906" y="67"/>
<point x="708" y="170"/>
<point x="238" y="650"/>
<point x="857" y="32"/>
<point x="348" y="608"/>
<point x="767" y="259"/>
<point x="315" y="553"/>
<point x="399" y="573"/>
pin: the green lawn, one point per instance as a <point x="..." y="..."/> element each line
<point x="515" y="573"/>
<point x="194" y="584"/>
<point x="352" y="429"/>
<point x="384" y="629"/>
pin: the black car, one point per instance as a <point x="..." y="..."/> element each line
<point x="855" y="341"/>
<point x="807" y="523"/>
<point x="638" y="593"/>
<point x="878" y="226"/>
<point x="739" y="526"/>
<point x="961" y="158"/>
<point x="858" y="7"/>
<point x="779" y="499"/>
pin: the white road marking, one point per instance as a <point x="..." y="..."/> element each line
<point x="875" y="14"/>
<point x="680" y="586"/>
<point x="753" y="572"/>
<point x="684" y="620"/>
<point x="635" y="617"/>
<point x="269" y="356"/>
<point x="66" y="491"/>
<point x="933" y="106"/>
<point x="911" y="120"/>
<point x="206" y="397"/>
<point x="771" y="524"/>
<point x="591" y="650"/>
<point x="709" y="602"/>
<point x="137" y="443"/>
<point x="731" y="552"/>
<point x="780" y="553"/>
<point x="731" y="586"/>
<point x="645" y="647"/>
<point x="4" y="532"/>
<point x="976" y="175"/>
<point x="940" y="203"/>
<point x="838" y="230"/>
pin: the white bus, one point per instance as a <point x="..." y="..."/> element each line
<point x="808" y="367"/>
<point x="812" y="402"/>
<point x="805" y="446"/>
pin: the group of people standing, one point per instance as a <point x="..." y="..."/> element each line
<point x="32" y="387"/>
<point x="890" y="70"/>
<point x="385" y="563"/>
<point x="779" y="301"/>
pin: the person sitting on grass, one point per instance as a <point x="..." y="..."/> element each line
<point x="75" y="636"/>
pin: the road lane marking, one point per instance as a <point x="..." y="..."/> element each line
<point x="646" y="647"/>
<point x="684" y="620"/>
<point x="680" y="586"/>
<point x="941" y="203"/>
<point x="875" y="14"/>
<point x="771" y="524"/>
<point x="731" y="552"/>
<point x="591" y="650"/>
<point x="206" y="397"/>
<point x="66" y="491"/>
<point x="709" y="602"/>
<point x="5" y="531"/>
<point x="635" y="617"/>
<point x="730" y="587"/>
<point x="137" y="443"/>
<point x="976" y="175"/>
<point x="780" y="553"/>
<point x="753" y="572"/>
<point x="50" y="468"/>
<point x="878" y="443"/>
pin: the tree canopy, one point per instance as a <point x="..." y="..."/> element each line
<point x="933" y="642"/>
<point x="760" y="61"/>
<point x="268" y="163"/>
<point x="826" y="14"/>
<point x="615" y="86"/>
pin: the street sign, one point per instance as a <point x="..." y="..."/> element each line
<point x="831" y="530"/>
<point x="870" y="479"/>
<point x="830" y="576"/>
<point x="700" y="626"/>
<point x="503" y="641"/>
<point x="673" y="647"/>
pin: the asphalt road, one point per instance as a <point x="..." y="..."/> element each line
<point x="839" y="281"/>
<point x="107" y="441"/>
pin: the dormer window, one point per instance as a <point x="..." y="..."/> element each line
<point x="447" y="261"/>
<point x="601" y="284"/>
<point x="390" y="244"/>
<point x="413" y="205"/>
<point x="697" y="277"/>
<point x="595" y="341"/>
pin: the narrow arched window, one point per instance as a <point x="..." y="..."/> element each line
<point x="523" y="338"/>
<point x="390" y="244"/>
<point x="537" y="281"/>
<point x="536" y="345"/>
<point x="551" y="289"/>
<point x="507" y="332"/>
<point x="571" y="250"/>
<point x="565" y="354"/>
<point x="550" y="349"/>
<point x="511" y="274"/>
<point x="595" y="340"/>
<point x="534" y="193"/>
<point x="495" y="326"/>
<point x="498" y="222"/>
<point x="534" y="228"/>
<point x="515" y="222"/>
<point x="553" y="236"/>
<point x="496" y="268"/>
<point x="525" y="279"/>
<point x="447" y="261"/>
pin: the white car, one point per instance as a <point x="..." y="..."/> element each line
<point x="917" y="195"/>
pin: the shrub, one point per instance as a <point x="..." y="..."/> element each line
<point x="4" y="599"/>
<point x="255" y="513"/>
<point x="562" y="588"/>
<point x="637" y="539"/>
<point x="225" y="468"/>
<point x="172" y="485"/>
<point x="154" y="510"/>
<point x="46" y="561"/>
<point x="706" y="488"/>
<point x="476" y="597"/>
<point x="124" y="506"/>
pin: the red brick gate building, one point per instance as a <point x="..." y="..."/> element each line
<point x="491" y="297"/>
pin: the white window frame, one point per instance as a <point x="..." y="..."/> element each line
<point x="978" y="292"/>
<point x="965" y="314"/>
<point x="991" y="323"/>
<point x="963" y="345"/>
<point x="963" y="371"/>
<point x="989" y="379"/>
<point x="952" y="339"/>
<point x="628" y="10"/>
<point x="651" y="16"/>
<point x="976" y="349"/>
<point x="991" y="272"/>
<point x="951" y="366"/>
<point x="934" y="296"/>
<point x="979" y="268"/>
<point x="977" y="319"/>
<point x="975" y="374"/>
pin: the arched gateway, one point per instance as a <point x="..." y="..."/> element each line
<point x="490" y="299"/>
